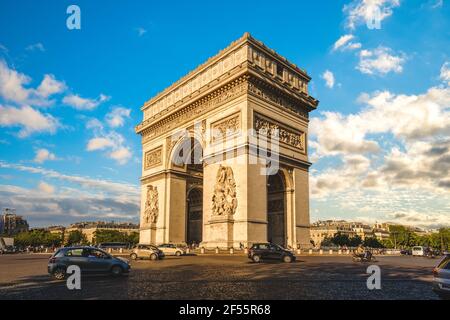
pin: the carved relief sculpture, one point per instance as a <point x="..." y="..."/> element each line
<point x="153" y="158"/>
<point x="224" y="200"/>
<point x="269" y="129"/>
<point x="151" y="205"/>
<point x="226" y="128"/>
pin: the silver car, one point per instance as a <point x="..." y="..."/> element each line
<point x="171" y="249"/>
<point x="441" y="282"/>
<point x="144" y="251"/>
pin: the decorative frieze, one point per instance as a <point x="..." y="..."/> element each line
<point x="227" y="127"/>
<point x="274" y="130"/>
<point x="153" y="158"/>
<point x="197" y="109"/>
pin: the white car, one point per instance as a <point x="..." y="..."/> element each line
<point x="171" y="249"/>
<point x="418" y="251"/>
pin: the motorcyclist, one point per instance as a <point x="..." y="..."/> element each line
<point x="359" y="251"/>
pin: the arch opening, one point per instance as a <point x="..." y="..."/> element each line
<point x="276" y="209"/>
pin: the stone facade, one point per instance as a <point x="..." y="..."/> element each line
<point x="204" y="135"/>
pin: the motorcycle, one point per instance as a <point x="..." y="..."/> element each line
<point x="364" y="257"/>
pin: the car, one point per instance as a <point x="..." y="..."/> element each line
<point x="89" y="259"/>
<point x="441" y="277"/>
<point x="8" y="249"/>
<point x="171" y="249"/>
<point x="406" y="252"/>
<point x="418" y="251"/>
<point x="270" y="251"/>
<point x="142" y="251"/>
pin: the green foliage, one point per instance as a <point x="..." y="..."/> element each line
<point x="76" y="237"/>
<point x="372" y="243"/>
<point x="402" y="237"/>
<point x="37" y="238"/>
<point x="340" y="239"/>
<point x="101" y="236"/>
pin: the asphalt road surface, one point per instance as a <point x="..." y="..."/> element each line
<point x="24" y="276"/>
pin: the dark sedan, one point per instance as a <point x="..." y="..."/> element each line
<point x="270" y="251"/>
<point x="89" y="259"/>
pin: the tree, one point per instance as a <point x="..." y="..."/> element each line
<point x="372" y="242"/>
<point x="101" y="236"/>
<point x="76" y="237"/>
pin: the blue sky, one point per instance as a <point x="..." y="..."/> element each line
<point x="69" y="100"/>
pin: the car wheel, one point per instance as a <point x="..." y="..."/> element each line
<point x="133" y="256"/>
<point x="153" y="257"/>
<point x="59" y="274"/>
<point x="256" y="258"/>
<point x="116" y="271"/>
<point x="178" y="253"/>
<point x="287" y="259"/>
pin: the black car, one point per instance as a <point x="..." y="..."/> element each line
<point x="269" y="251"/>
<point x="89" y="259"/>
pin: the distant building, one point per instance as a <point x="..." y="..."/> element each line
<point x="11" y="224"/>
<point x="362" y="230"/>
<point x="328" y="229"/>
<point x="381" y="234"/>
<point x="89" y="228"/>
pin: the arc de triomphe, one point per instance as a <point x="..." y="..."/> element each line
<point x="212" y="143"/>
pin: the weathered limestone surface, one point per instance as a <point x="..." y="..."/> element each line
<point x="247" y="86"/>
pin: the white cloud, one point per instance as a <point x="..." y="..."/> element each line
<point x="328" y="76"/>
<point x="359" y="12"/>
<point x="80" y="103"/>
<point x="141" y="31"/>
<point x="12" y="84"/>
<point x="124" y="190"/>
<point x="36" y="46"/>
<point x="407" y="117"/>
<point x="50" y="86"/>
<point x="445" y="72"/>
<point x="111" y="141"/>
<point x="116" y="118"/>
<point x="99" y="144"/>
<point x="345" y="43"/>
<point x="13" y="87"/>
<point x="43" y="155"/>
<point x="380" y="61"/>
<point x="121" y="155"/>
<point x="389" y="160"/>
<point x="28" y="119"/>
<point x="46" y="188"/>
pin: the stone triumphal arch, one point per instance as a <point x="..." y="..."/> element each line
<point x="225" y="156"/>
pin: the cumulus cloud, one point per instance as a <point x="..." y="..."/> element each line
<point x="13" y="87"/>
<point x="345" y="43"/>
<point x="99" y="144"/>
<point x="359" y="12"/>
<point x="110" y="141"/>
<point x="50" y="86"/>
<point x="46" y="188"/>
<point x="43" y="155"/>
<point x="380" y="61"/>
<point x="328" y="76"/>
<point x="69" y="205"/>
<point x="391" y="157"/>
<point x="79" y="103"/>
<point x="116" y="118"/>
<point x="28" y="119"/>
